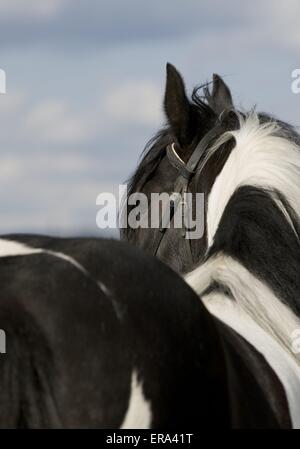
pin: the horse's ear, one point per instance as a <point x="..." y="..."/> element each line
<point x="177" y="105"/>
<point x="220" y="99"/>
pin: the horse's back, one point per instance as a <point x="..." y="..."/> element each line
<point x="81" y="317"/>
<point x="57" y="321"/>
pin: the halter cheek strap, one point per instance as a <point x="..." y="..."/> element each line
<point x="186" y="172"/>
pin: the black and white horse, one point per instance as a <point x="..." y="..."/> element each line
<point x="100" y="335"/>
<point x="246" y="267"/>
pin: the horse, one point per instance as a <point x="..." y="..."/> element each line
<point x="245" y="268"/>
<point x="102" y="335"/>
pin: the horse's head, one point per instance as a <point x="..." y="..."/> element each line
<point x="175" y="154"/>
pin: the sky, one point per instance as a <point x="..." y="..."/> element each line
<point x="85" y="83"/>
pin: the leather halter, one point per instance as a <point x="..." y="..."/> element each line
<point x="186" y="172"/>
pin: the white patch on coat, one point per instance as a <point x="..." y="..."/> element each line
<point x="138" y="415"/>
<point x="10" y="248"/>
<point x="251" y="295"/>
<point x="256" y="314"/>
<point x="280" y="361"/>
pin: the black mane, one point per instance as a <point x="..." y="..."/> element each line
<point x="155" y="148"/>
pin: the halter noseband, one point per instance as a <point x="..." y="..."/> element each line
<point x="186" y="172"/>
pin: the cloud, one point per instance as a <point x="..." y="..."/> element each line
<point x="11" y="170"/>
<point x="11" y="102"/>
<point x="65" y="206"/>
<point x="134" y="103"/>
<point x="109" y="22"/>
<point x="62" y="23"/>
<point x="52" y="121"/>
<point x="20" y="9"/>
<point x="85" y="89"/>
<point x="283" y="24"/>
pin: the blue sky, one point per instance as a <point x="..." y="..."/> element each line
<point x="85" y="81"/>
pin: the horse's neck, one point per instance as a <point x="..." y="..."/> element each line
<point x="251" y="376"/>
<point x="250" y="281"/>
<point x="253" y="229"/>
